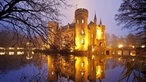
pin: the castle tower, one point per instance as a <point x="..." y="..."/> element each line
<point x="81" y="29"/>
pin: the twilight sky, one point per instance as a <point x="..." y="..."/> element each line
<point x="104" y="9"/>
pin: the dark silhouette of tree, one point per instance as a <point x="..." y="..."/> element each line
<point x="10" y="38"/>
<point x="114" y="41"/>
<point x="30" y="17"/>
<point x="132" y="13"/>
<point x="132" y="40"/>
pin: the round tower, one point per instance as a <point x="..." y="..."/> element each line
<point x="81" y="15"/>
<point x="81" y="29"/>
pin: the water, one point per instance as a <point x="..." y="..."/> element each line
<point x="70" y="68"/>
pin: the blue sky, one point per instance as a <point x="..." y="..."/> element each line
<point x="104" y="9"/>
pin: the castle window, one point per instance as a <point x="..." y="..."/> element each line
<point x="82" y="64"/>
<point x="82" y="32"/>
<point x="77" y="21"/>
<point x="83" y="42"/>
<point x="100" y="44"/>
<point x="82" y="20"/>
<point x="52" y="30"/>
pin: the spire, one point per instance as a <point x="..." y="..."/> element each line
<point x="100" y="22"/>
<point x="95" y="19"/>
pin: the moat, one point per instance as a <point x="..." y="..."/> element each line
<point x="40" y="67"/>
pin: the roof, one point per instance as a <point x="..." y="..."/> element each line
<point x="68" y="26"/>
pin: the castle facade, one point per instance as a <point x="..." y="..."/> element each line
<point x="79" y="35"/>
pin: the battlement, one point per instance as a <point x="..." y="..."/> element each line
<point x="81" y="11"/>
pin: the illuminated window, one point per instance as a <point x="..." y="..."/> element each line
<point x="82" y="64"/>
<point x="11" y="53"/>
<point x="52" y="30"/>
<point x="99" y="34"/>
<point x="83" y="41"/>
<point x="77" y="21"/>
<point x="82" y="20"/>
<point x="82" y="32"/>
<point x="11" y="48"/>
<point x="100" y="44"/>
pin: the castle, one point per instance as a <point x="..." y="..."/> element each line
<point x="78" y="35"/>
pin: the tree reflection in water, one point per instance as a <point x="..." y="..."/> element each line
<point x="18" y="68"/>
<point x="70" y="68"/>
<point x="135" y="68"/>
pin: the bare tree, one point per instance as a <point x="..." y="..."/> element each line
<point x="30" y="17"/>
<point x="132" y="13"/>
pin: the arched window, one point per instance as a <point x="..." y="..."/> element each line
<point x="83" y="41"/>
<point x="82" y="32"/>
<point x="100" y="44"/>
<point x="82" y="20"/>
<point x="82" y="64"/>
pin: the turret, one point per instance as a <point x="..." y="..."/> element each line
<point x="95" y="19"/>
<point x="81" y="15"/>
<point x="100" y="22"/>
<point x="81" y="29"/>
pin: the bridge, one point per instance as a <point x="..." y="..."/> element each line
<point x="124" y="51"/>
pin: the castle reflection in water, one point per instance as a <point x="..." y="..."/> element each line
<point x="79" y="69"/>
<point x="68" y="68"/>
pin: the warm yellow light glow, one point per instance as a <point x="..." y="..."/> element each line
<point x="119" y="58"/>
<point x="11" y="53"/>
<point x="133" y="53"/>
<point x="49" y="61"/>
<point x="119" y="52"/>
<point x="2" y="48"/>
<point x="81" y="66"/>
<point x="29" y="57"/>
<point x="133" y="59"/>
<point x="82" y="20"/>
<point x="133" y="46"/>
<point x="82" y="32"/>
<point x="93" y="56"/>
<point x="32" y="52"/>
<point x="81" y="42"/>
<point x="71" y="49"/>
<point x="11" y="48"/>
<point x="142" y="46"/>
<point x="92" y="49"/>
<point x="52" y="73"/>
<point x="82" y="73"/>
<point x="27" y="43"/>
<point x="120" y="46"/>
<point x="2" y="53"/>
<point x="20" y="53"/>
<point x="20" y="48"/>
<point x="98" y="71"/>
<point x="99" y="33"/>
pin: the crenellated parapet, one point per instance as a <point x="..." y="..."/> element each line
<point x="81" y="11"/>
